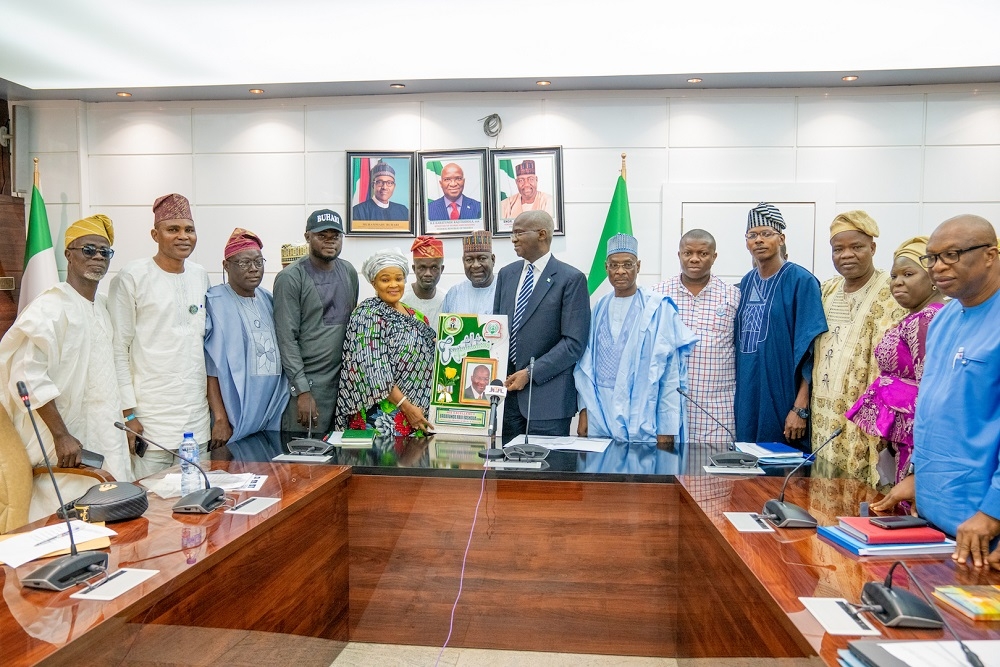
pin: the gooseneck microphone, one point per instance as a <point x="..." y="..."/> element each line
<point x="725" y="428"/>
<point x="496" y="392"/>
<point x="75" y="568"/>
<point x="197" y="502"/>
<point x="789" y="515"/>
<point x="531" y="379"/>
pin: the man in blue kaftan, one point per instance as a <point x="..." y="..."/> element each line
<point x="636" y="358"/>
<point x="247" y="391"/>
<point x="780" y="314"/>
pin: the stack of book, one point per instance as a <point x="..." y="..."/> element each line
<point x="858" y="536"/>
<point x="981" y="603"/>
<point x="772" y="453"/>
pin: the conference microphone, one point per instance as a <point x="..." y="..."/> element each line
<point x="197" y="502"/>
<point x="897" y="608"/>
<point x="75" y="568"/>
<point x="789" y="515"/>
<point x="732" y="458"/>
<point x="732" y="436"/>
<point x="531" y="378"/>
<point x="496" y="393"/>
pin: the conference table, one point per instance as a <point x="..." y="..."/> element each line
<point x="622" y="552"/>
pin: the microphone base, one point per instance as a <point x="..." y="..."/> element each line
<point x="491" y="453"/>
<point x="788" y="515"/>
<point x="67" y="571"/>
<point x="203" y="501"/>
<point x="900" y="607"/>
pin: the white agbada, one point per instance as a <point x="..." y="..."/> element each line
<point x="159" y="322"/>
<point x="61" y="347"/>
<point x="464" y="298"/>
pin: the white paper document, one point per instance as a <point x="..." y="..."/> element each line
<point x="303" y="458"/>
<point x="564" y="442"/>
<point x="169" y="486"/>
<point x="748" y="522"/>
<point x="732" y="470"/>
<point x="252" y="506"/>
<point x="837" y="617"/>
<point x="944" y="654"/>
<point x="21" y="549"/>
<point x="513" y="465"/>
<point x="117" y="583"/>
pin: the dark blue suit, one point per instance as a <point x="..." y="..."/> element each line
<point x="471" y="209"/>
<point x="554" y="330"/>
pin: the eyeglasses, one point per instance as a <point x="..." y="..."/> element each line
<point x="614" y="266"/>
<point x="90" y="250"/>
<point x="764" y="235"/>
<point x="382" y="183"/>
<point x="245" y="264"/>
<point x="949" y="256"/>
<point x="521" y="232"/>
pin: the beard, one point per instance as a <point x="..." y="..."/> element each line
<point x="96" y="275"/>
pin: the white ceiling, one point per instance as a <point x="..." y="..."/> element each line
<point x="205" y="49"/>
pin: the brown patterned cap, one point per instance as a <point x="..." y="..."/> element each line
<point x="171" y="207"/>
<point x="478" y="241"/>
<point x="525" y="168"/>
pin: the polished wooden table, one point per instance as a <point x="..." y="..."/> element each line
<point x="284" y="570"/>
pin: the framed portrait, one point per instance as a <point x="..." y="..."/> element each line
<point x="453" y="198"/>
<point x="380" y="189"/>
<point x="477" y="373"/>
<point x="526" y="179"/>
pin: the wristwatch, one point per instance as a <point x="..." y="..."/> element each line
<point x="803" y="413"/>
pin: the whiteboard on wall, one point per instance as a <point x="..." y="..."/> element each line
<point x="721" y="209"/>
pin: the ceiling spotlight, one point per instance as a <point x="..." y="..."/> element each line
<point x="123" y="94"/>
<point x="397" y="85"/>
<point x="543" y="82"/>
<point x="850" y="77"/>
<point x="694" y="80"/>
<point x="256" y="91"/>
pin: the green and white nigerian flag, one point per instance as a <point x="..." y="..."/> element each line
<point x="432" y="180"/>
<point x="506" y="181"/>
<point x="40" y="271"/>
<point x="619" y="221"/>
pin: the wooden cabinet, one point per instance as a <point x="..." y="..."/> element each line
<point x="12" y="226"/>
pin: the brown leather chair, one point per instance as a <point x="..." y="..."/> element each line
<point x="16" y="476"/>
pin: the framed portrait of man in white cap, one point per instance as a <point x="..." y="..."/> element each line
<point x="526" y="179"/>
<point x="381" y="194"/>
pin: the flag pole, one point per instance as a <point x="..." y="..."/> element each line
<point x="36" y="171"/>
<point x="623" y="167"/>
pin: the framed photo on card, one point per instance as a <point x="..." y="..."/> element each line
<point x="526" y="179"/>
<point x="380" y="189"/>
<point x="453" y="192"/>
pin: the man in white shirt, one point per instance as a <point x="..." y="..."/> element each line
<point x="60" y="346"/>
<point x="475" y="295"/>
<point x="158" y="309"/>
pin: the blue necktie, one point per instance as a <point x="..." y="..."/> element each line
<point x="522" y="302"/>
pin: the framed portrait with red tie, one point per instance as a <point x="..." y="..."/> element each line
<point x="453" y="192"/>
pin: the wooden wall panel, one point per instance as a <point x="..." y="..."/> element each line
<point x="12" y="221"/>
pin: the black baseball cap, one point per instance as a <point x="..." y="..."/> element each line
<point x="324" y="219"/>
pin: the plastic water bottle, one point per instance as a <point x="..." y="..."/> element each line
<point x="190" y="477"/>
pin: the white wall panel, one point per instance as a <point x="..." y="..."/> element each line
<point x="963" y="119"/>
<point x="132" y="227"/>
<point x="962" y="173"/>
<point x="733" y="121"/>
<point x="892" y="120"/>
<point x="258" y="130"/>
<point x="266" y="178"/>
<point x="326" y="178"/>
<point x="864" y="174"/>
<point x="61" y="216"/>
<point x="732" y="165"/>
<point x="935" y="214"/>
<point x="275" y="225"/>
<point x="51" y="130"/>
<point x="59" y="177"/>
<point x="606" y="123"/>
<point x="590" y="174"/>
<point x="896" y="223"/>
<point x="379" y="125"/>
<point x="137" y="180"/>
<point x="114" y="129"/>
<point x="453" y="124"/>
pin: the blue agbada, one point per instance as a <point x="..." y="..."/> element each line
<point x="640" y="401"/>
<point x="241" y="351"/>
<point x="956" y="430"/>
<point x="776" y="323"/>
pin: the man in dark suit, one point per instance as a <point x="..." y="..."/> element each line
<point x="551" y="326"/>
<point x="454" y="205"/>
<point x="477" y="382"/>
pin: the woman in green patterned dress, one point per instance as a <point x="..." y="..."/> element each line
<point x="385" y="383"/>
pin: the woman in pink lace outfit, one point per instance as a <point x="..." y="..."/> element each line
<point x="886" y="407"/>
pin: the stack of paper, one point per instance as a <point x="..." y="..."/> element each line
<point x="771" y="453"/>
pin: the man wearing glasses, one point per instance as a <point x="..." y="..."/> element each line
<point x="454" y="204"/>
<point x="956" y="439"/>
<point x="779" y="317"/>
<point x="60" y="346"/>
<point x="635" y="359"/>
<point x="378" y="206"/>
<point x="528" y="197"/>
<point x="157" y="306"/>
<point x="247" y="392"/>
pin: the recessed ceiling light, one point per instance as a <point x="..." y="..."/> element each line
<point x="256" y="91"/>
<point x="543" y="82"/>
<point x="849" y="77"/>
<point x="397" y="85"/>
<point x="694" y="80"/>
<point x="123" y="94"/>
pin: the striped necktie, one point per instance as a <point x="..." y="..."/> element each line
<point x="522" y="302"/>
